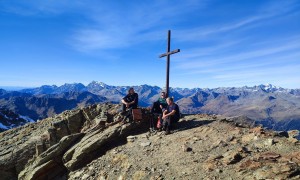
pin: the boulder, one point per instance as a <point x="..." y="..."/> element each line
<point x="13" y="158"/>
<point x="293" y="133"/>
<point x="95" y="143"/>
<point x="30" y="142"/>
<point x="49" y="160"/>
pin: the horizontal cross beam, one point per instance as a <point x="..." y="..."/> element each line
<point x="169" y="53"/>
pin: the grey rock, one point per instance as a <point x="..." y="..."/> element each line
<point x="269" y="142"/>
<point x="45" y="162"/>
<point x="186" y="148"/>
<point x="145" y="144"/>
<point x="293" y="133"/>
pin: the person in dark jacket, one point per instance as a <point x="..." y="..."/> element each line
<point x="129" y="102"/>
<point x="170" y="115"/>
<point x="159" y="105"/>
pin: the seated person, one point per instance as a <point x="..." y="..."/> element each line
<point x="170" y="115"/>
<point x="160" y="104"/>
<point x="130" y="101"/>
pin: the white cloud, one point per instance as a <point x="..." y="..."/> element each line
<point x="129" y="25"/>
<point x="195" y="61"/>
<point x="88" y="39"/>
<point x="267" y="13"/>
<point x="37" y="7"/>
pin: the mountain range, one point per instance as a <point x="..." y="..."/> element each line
<point x="275" y="107"/>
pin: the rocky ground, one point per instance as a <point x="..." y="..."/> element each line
<point x="89" y="143"/>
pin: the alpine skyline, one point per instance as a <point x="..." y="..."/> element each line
<point x="222" y="43"/>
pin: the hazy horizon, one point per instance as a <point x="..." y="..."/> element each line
<point x="11" y="88"/>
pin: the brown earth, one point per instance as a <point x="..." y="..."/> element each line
<point x="89" y="143"/>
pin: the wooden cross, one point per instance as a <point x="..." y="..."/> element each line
<point x="168" y="53"/>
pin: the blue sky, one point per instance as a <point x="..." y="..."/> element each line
<point x="223" y="43"/>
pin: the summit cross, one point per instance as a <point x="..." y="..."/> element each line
<point x="167" y="54"/>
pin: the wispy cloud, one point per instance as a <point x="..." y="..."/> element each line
<point x="263" y="15"/>
<point x="91" y="39"/>
<point x="36" y="7"/>
<point x="198" y="52"/>
<point x="128" y="27"/>
<point x="200" y="61"/>
<point x="274" y="61"/>
<point x="267" y="74"/>
<point x="199" y="33"/>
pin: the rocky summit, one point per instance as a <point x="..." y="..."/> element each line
<point x="91" y="143"/>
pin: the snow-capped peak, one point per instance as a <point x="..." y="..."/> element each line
<point x="269" y="87"/>
<point x="97" y="83"/>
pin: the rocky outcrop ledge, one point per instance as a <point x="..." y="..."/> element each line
<point x="50" y="148"/>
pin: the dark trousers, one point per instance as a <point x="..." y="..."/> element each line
<point x="129" y="108"/>
<point x="123" y="107"/>
<point x="168" y="121"/>
<point x="127" y="111"/>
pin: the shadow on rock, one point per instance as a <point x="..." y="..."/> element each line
<point x="190" y="124"/>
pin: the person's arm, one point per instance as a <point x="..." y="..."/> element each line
<point x="163" y="105"/>
<point x="171" y="113"/>
<point x="135" y="100"/>
<point x="132" y="102"/>
<point x="164" y="113"/>
<point x="124" y="102"/>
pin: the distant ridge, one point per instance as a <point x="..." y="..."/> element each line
<point x="275" y="107"/>
<point x="14" y="88"/>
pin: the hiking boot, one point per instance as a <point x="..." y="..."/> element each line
<point x="167" y="132"/>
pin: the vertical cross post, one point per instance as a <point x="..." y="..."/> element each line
<point x="168" y="63"/>
<point x="167" y="54"/>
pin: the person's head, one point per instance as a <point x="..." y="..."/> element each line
<point x="163" y="94"/>
<point x="170" y="101"/>
<point x="131" y="90"/>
